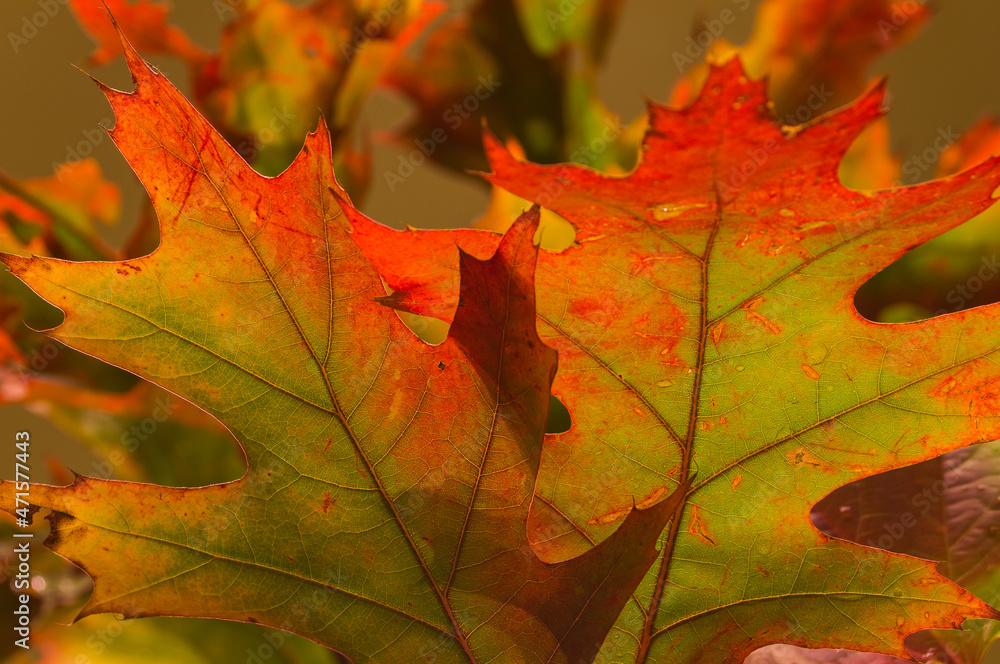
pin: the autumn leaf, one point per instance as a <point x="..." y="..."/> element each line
<point x="383" y="511"/>
<point x="815" y="52"/>
<point x="57" y="594"/>
<point x="816" y="55"/>
<point x="705" y="318"/>
<point x="784" y="654"/>
<point x="552" y="25"/>
<point x="147" y="21"/>
<point x="60" y="213"/>
<point x="278" y="67"/>
<point x="943" y="509"/>
<point x="529" y="69"/>
<point x="56" y="216"/>
<point x="969" y="646"/>
<point x="956" y="270"/>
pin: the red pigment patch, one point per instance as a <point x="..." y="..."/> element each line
<point x="663" y="332"/>
<point x="980" y="393"/>
<point x="810" y="372"/>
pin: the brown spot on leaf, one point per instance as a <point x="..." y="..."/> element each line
<point x="761" y="319"/>
<point x="697" y="527"/>
<point x="652" y="498"/>
<point x="717" y="333"/>
<point x="801" y="456"/>
<point x="610" y="517"/>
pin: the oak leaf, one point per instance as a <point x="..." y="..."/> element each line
<point x="705" y="319"/>
<point x="384" y="506"/>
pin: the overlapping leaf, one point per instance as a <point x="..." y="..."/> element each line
<point x="705" y="319"/>
<point x="945" y="509"/>
<point x="383" y="511"/>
